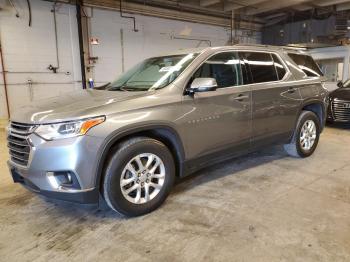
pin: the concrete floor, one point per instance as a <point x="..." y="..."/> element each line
<point x="262" y="207"/>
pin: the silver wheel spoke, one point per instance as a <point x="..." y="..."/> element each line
<point x="138" y="195"/>
<point x="158" y="175"/>
<point x="154" y="167"/>
<point x="312" y="126"/>
<point x="149" y="161"/>
<point x="131" y="169"/>
<point x="155" y="186"/>
<point x="147" y="192"/>
<point x="139" y="163"/>
<point x="129" y="190"/>
<point x="127" y="181"/>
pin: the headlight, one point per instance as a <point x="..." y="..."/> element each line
<point x="67" y="129"/>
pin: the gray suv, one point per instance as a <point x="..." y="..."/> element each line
<point x="168" y="116"/>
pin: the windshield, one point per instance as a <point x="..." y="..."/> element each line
<point x="152" y="73"/>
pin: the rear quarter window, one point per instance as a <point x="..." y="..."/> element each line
<point x="307" y="64"/>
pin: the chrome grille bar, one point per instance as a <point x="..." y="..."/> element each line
<point x="19" y="147"/>
<point x="341" y="110"/>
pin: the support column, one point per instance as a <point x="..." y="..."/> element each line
<point x="81" y="44"/>
<point x="232" y="25"/>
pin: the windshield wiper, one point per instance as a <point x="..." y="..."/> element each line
<point x="130" y="88"/>
<point x="116" y="88"/>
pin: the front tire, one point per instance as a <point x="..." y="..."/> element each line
<point x="306" y="136"/>
<point x="138" y="177"/>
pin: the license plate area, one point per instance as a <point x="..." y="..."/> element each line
<point x="346" y="105"/>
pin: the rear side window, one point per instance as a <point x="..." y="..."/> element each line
<point x="280" y="69"/>
<point x="261" y="66"/>
<point x="224" y="67"/>
<point x="307" y="64"/>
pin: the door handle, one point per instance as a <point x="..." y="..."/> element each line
<point x="292" y="90"/>
<point x="241" y="97"/>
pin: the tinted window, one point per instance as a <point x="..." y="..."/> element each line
<point x="224" y="67"/>
<point x="281" y="71"/>
<point x="261" y="66"/>
<point x="307" y="64"/>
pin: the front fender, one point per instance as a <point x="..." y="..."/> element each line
<point x="159" y="130"/>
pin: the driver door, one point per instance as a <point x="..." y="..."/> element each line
<point x="220" y="120"/>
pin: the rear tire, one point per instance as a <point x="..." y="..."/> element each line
<point x="138" y="176"/>
<point x="306" y="136"/>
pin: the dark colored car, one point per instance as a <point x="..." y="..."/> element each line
<point x="339" y="106"/>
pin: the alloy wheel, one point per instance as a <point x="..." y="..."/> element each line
<point x="308" y="135"/>
<point x="142" y="178"/>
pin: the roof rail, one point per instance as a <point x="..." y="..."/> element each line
<point x="294" y="48"/>
<point x="257" y="45"/>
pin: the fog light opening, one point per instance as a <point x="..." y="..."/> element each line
<point x="66" y="179"/>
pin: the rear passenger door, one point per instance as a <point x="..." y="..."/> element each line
<point x="275" y="102"/>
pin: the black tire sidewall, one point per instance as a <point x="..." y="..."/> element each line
<point x="115" y="168"/>
<point x="305" y="117"/>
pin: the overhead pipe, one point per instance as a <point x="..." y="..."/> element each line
<point x="51" y="67"/>
<point x="125" y="16"/>
<point x="231" y="27"/>
<point x="30" y="13"/>
<point x="34" y="72"/>
<point x="87" y="30"/>
<point x="137" y="8"/>
<point x="122" y="48"/>
<point x="193" y="39"/>
<point x="14" y="7"/>
<point x="5" y="82"/>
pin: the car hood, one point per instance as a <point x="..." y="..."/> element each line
<point x="70" y="106"/>
<point x="341" y="93"/>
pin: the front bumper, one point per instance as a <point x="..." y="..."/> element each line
<point x="76" y="156"/>
<point x="81" y="196"/>
<point x="338" y="112"/>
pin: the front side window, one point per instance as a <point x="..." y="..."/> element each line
<point x="224" y="67"/>
<point x="152" y="73"/>
<point x="261" y="66"/>
<point x="307" y="64"/>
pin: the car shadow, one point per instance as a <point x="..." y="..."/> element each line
<point x="345" y="126"/>
<point x="229" y="168"/>
<point x="205" y="175"/>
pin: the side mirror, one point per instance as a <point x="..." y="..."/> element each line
<point x="340" y="84"/>
<point x="202" y="85"/>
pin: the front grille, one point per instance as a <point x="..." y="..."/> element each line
<point x="341" y="110"/>
<point x="18" y="144"/>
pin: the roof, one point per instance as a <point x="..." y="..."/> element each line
<point x="185" y="51"/>
<point x="254" y="47"/>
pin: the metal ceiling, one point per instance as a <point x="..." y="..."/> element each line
<point x="261" y="7"/>
<point x="247" y="14"/>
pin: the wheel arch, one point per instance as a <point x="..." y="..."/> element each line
<point x="316" y="107"/>
<point x="166" y="134"/>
